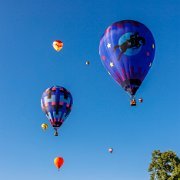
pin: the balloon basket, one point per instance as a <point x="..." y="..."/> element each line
<point x="55" y="133"/>
<point x="133" y="102"/>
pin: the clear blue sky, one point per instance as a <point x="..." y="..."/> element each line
<point x="101" y="116"/>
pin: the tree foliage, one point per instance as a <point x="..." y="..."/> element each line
<point x="164" y="166"/>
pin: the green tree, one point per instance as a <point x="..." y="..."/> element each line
<point x="164" y="166"/>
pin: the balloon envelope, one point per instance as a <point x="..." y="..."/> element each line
<point x="44" y="126"/>
<point x="110" y="150"/>
<point x="87" y="62"/>
<point x="58" y="162"/>
<point x="127" y="51"/>
<point x="56" y="103"/>
<point x="57" y="45"/>
<point x="140" y="100"/>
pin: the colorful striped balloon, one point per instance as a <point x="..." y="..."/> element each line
<point x="56" y="103"/>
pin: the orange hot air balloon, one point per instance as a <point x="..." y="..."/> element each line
<point x="57" y="45"/>
<point x="58" y="162"/>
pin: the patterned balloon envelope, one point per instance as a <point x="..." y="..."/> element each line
<point x="57" y="45"/>
<point x="127" y="50"/>
<point x="56" y="103"/>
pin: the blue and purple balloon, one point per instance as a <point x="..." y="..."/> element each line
<point x="56" y="103"/>
<point x="127" y="50"/>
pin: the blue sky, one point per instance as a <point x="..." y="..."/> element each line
<point x="101" y="116"/>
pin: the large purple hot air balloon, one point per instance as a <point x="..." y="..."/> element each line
<point x="127" y="51"/>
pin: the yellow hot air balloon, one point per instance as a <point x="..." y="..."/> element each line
<point x="44" y="126"/>
<point x="57" y="45"/>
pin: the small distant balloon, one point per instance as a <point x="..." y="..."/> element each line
<point x="57" y="45"/>
<point x="110" y="150"/>
<point x="87" y="63"/>
<point x="58" y="162"/>
<point x="44" y="126"/>
<point x="140" y="100"/>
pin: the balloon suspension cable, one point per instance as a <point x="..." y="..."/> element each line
<point x="133" y="97"/>
<point x="129" y="94"/>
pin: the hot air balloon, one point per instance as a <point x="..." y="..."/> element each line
<point x="127" y="50"/>
<point x="56" y="103"/>
<point x="44" y="126"/>
<point x="58" y="162"/>
<point x="140" y="100"/>
<point x="110" y="150"/>
<point x="57" y="45"/>
<point x="87" y="62"/>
